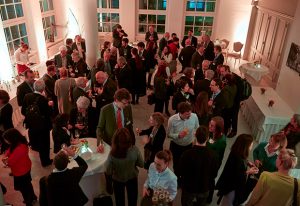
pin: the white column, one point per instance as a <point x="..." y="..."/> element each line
<point x="34" y="26"/>
<point x="90" y="30"/>
<point x="129" y="17"/>
<point x="6" y="70"/>
<point x="175" y="17"/>
<point x="61" y="18"/>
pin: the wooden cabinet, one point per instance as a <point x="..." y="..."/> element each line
<point x="268" y="39"/>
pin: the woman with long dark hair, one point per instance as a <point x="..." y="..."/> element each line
<point x="232" y="182"/>
<point x="150" y="60"/>
<point x="17" y="158"/>
<point x="161" y="83"/>
<point x="139" y="84"/>
<point x="123" y="160"/>
<point x="201" y="108"/>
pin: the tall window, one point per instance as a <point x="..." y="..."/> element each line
<point x="108" y="15"/>
<point x="152" y="12"/>
<point x="48" y="19"/>
<point x="199" y="16"/>
<point x="15" y="31"/>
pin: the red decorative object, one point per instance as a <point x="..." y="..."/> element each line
<point x="271" y="103"/>
<point x="262" y="90"/>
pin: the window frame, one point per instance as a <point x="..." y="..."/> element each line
<point x="46" y="14"/>
<point x="109" y="11"/>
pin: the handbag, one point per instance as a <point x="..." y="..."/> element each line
<point x="295" y="201"/>
<point x="151" y="98"/>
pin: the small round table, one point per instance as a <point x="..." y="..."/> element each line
<point x="256" y="71"/>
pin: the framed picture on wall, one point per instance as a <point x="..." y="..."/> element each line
<point x="293" y="60"/>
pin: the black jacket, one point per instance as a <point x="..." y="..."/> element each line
<point x="125" y="78"/>
<point x="194" y="41"/>
<point x="63" y="187"/>
<point x="217" y="61"/>
<point x="185" y="56"/>
<point x="6" y="117"/>
<point x="80" y="68"/>
<point x="198" y="168"/>
<point x="60" y="136"/>
<point x="58" y="61"/>
<point x="209" y="51"/>
<point x="219" y="104"/>
<point x="74" y="46"/>
<point x="125" y="52"/>
<point x="22" y="90"/>
<point x="155" y="36"/>
<point x="202" y="85"/>
<point x="49" y="86"/>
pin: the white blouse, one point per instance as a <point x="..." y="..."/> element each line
<point x="21" y="57"/>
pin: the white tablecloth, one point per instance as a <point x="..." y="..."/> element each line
<point x="262" y="119"/>
<point x="254" y="70"/>
<point x="93" y="181"/>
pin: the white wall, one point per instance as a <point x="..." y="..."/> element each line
<point x="288" y="86"/>
<point x="232" y="20"/>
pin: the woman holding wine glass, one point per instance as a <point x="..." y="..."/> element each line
<point x="83" y="119"/>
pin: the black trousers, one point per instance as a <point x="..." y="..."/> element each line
<point x="235" y="114"/>
<point x="23" y="184"/>
<point x="187" y="199"/>
<point x="177" y="151"/>
<point x="131" y="189"/>
<point x="159" y="105"/>
<point x="40" y="141"/>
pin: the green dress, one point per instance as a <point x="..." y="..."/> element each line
<point x="219" y="147"/>
<point x="268" y="163"/>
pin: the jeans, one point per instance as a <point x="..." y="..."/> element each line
<point x="132" y="191"/>
<point x="187" y="199"/>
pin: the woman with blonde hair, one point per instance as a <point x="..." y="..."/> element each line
<point x="156" y="135"/>
<point x="277" y="188"/>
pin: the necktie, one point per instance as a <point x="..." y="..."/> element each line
<point x="119" y="119"/>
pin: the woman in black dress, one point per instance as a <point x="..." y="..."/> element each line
<point x="156" y="135"/>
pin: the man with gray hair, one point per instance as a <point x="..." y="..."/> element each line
<point x="37" y="112"/>
<point x="63" y="59"/>
<point x="124" y="74"/>
<point x="203" y="84"/>
<point x="79" y="90"/>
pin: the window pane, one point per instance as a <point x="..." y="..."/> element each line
<point x="161" y="4"/>
<point x="161" y="19"/>
<point x="17" y="44"/>
<point x="189" y="20"/>
<point x="19" y="10"/>
<point x="210" y="6"/>
<point x="50" y="5"/>
<point x="41" y="6"/>
<point x="7" y="34"/>
<point x="199" y="20"/>
<point x="115" y="17"/>
<point x="25" y="40"/>
<point x="3" y="13"/>
<point x="99" y="28"/>
<point x="160" y="29"/>
<point x="104" y="17"/>
<point x="208" y="30"/>
<point x="114" y="4"/>
<point x="1" y="2"/>
<point x="143" y="18"/>
<point x="197" y="31"/>
<point x="22" y="29"/>
<point x="48" y="22"/>
<point x="143" y="4"/>
<point x="151" y="19"/>
<point x="52" y="19"/>
<point x="11" y="49"/>
<point x="45" y="4"/>
<point x="190" y="5"/>
<point x="142" y="28"/>
<point x="15" y="32"/>
<point x="17" y="1"/>
<point x="8" y="1"/>
<point x="106" y="27"/>
<point x="11" y="11"/>
<point x="186" y="29"/>
<point x="103" y="4"/>
<point x="208" y="21"/>
<point x="152" y="4"/>
<point x="200" y="6"/>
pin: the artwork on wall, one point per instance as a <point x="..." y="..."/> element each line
<point x="293" y="60"/>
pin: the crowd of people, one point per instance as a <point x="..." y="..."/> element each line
<point x="74" y="101"/>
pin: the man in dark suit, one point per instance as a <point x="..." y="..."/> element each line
<point x="124" y="74"/>
<point x="118" y="34"/>
<point x="92" y="75"/>
<point x="204" y="84"/>
<point x="50" y="79"/>
<point x="163" y="42"/>
<point x="109" y="65"/>
<point x="39" y="126"/>
<point x="185" y="56"/>
<point x="197" y="60"/>
<point x="79" y="46"/>
<point x="62" y="59"/>
<point x="219" y="58"/>
<point x="105" y="91"/>
<point x="217" y="100"/>
<point x="125" y="49"/>
<point x="79" y="90"/>
<point x="113" y="116"/>
<point x="63" y="184"/>
<point x="151" y="32"/>
<point x="80" y="68"/>
<point x="209" y="48"/>
<point x="26" y="87"/>
<point x="69" y="43"/>
<point x="193" y="40"/>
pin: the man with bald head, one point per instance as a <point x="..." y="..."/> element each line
<point x="105" y="90"/>
<point x="194" y="40"/>
<point x="63" y="59"/>
<point x="185" y="56"/>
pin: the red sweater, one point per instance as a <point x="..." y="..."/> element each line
<point x="18" y="160"/>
